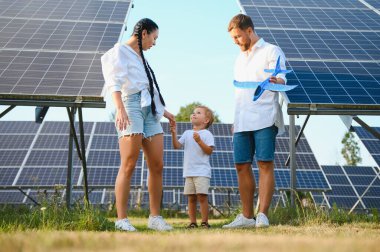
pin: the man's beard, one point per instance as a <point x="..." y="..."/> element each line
<point x="246" y="46"/>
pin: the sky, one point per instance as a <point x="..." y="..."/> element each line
<point x="193" y="61"/>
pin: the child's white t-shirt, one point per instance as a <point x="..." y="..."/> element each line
<point x="196" y="162"/>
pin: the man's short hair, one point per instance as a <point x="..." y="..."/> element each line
<point x="209" y="115"/>
<point x="240" y="21"/>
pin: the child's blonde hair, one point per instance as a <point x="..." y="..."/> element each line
<point x="209" y="115"/>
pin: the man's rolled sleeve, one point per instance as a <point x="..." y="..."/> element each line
<point x="273" y="60"/>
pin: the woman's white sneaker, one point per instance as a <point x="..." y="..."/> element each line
<point x="158" y="223"/>
<point x="241" y="222"/>
<point x="124" y="225"/>
<point x="262" y="221"/>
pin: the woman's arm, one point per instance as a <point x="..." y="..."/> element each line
<point x="121" y="117"/>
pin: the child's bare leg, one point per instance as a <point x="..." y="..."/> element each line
<point x="192" y="198"/>
<point x="203" y="202"/>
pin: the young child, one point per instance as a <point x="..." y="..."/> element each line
<point x="198" y="145"/>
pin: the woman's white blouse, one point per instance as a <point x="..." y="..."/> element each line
<point x="124" y="72"/>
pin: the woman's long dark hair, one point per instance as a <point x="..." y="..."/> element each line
<point x="149" y="26"/>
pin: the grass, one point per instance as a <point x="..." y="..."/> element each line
<point x="326" y="237"/>
<point x="52" y="227"/>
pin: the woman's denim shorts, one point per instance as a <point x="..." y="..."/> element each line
<point x="142" y="121"/>
<point x="260" y="142"/>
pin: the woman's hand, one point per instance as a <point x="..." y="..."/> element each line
<point x="121" y="120"/>
<point x="170" y="117"/>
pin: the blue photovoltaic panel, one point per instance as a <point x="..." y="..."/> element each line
<point x="107" y="176"/>
<point x="13" y="141"/>
<point x="224" y="178"/>
<point x="325" y="45"/>
<point x="370" y="142"/>
<point x="48" y="158"/>
<point x="335" y="82"/>
<point x="306" y="179"/>
<point x="359" y="170"/>
<point x="332" y="169"/>
<point x="372" y="202"/>
<point x="45" y="176"/>
<point x="374" y="3"/>
<point x="50" y="73"/>
<point x="7" y="176"/>
<point x="52" y="142"/>
<point x="74" y="10"/>
<point x="12" y="157"/>
<point x="53" y="48"/>
<point x="347" y="188"/>
<point x="306" y="3"/>
<point x="342" y="191"/>
<point x="172" y="177"/>
<point x="305" y="18"/>
<point x="11" y="197"/>
<point x="18" y="127"/>
<point x="366" y="135"/>
<point x="57" y="35"/>
<point x="303" y="161"/>
<point x="106" y="158"/>
<point x="331" y="46"/>
<point x="105" y="128"/>
<point x="338" y="179"/>
<point x="344" y="202"/>
<point x="95" y="197"/>
<point x="102" y="142"/>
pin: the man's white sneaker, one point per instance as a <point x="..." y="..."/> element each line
<point x="158" y="223"/>
<point x="262" y="221"/>
<point x="124" y="225"/>
<point x="241" y="222"/>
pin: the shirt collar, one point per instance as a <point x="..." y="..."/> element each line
<point x="259" y="43"/>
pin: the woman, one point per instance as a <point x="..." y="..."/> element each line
<point x="139" y="106"/>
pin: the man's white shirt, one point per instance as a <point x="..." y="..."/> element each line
<point x="254" y="115"/>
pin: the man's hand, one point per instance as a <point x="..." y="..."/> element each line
<point x="275" y="80"/>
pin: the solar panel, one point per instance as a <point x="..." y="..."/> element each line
<point x="7" y="176"/>
<point x="307" y="18"/>
<point x="45" y="176"/>
<point x="76" y="10"/>
<point x="370" y="142"/>
<point x="348" y="183"/>
<point x="11" y="197"/>
<point x="343" y="83"/>
<point x="325" y="45"/>
<point x="305" y="3"/>
<point x="51" y="49"/>
<point x="46" y="162"/>
<point x="332" y="48"/>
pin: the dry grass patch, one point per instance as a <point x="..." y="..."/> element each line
<point x="348" y="237"/>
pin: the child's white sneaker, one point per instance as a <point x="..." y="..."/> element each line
<point x="241" y="222"/>
<point x="262" y="221"/>
<point x="124" y="225"/>
<point x="158" y="223"/>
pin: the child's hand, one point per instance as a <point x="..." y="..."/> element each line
<point x="196" y="137"/>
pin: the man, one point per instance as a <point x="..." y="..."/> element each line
<point x="257" y="122"/>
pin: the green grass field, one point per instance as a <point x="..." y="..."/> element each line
<point x="329" y="237"/>
<point x="54" y="228"/>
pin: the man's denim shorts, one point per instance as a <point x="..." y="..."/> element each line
<point x="142" y="121"/>
<point x="262" y="141"/>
